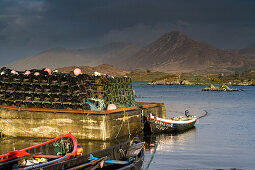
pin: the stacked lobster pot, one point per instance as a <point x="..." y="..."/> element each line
<point x="41" y="89"/>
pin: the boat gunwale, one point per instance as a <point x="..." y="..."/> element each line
<point x="52" y="140"/>
<point x="22" y="152"/>
<point x="105" y="150"/>
<point x="168" y="121"/>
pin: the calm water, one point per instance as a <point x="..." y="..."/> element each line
<point x="225" y="138"/>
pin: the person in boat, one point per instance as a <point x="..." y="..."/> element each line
<point x="187" y="114"/>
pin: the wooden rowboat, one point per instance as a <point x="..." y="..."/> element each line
<point x="126" y="155"/>
<point x="176" y="124"/>
<point x="46" y="153"/>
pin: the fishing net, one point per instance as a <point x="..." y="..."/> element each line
<point x="63" y="146"/>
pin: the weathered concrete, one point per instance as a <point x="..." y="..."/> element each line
<point x="88" y="125"/>
<point x="155" y="108"/>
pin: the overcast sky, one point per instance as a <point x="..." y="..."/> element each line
<point x="31" y="26"/>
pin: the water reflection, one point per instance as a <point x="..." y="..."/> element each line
<point x="164" y="142"/>
<point x="168" y="142"/>
<point x="9" y="144"/>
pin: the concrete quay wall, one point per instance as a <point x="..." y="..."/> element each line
<point x="84" y="124"/>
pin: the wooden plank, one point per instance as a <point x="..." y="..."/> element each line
<point x="67" y="110"/>
<point x="146" y="105"/>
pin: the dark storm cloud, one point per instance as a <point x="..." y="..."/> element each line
<point x="28" y="27"/>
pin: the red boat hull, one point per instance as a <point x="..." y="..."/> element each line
<point x="42" y="150"/>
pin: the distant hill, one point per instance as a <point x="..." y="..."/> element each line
<point x="52" y="58"/>
<point x="103" y="69"/>
<point x="112" y="54"/>
<point x="248" y="50"/>
<point x="176" y="52"/>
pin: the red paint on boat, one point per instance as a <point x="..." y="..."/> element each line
<point x="22" y="152"/>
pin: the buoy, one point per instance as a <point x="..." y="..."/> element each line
<point x="77" y="71"/>
<point x="13" y="72"/>
<point x="48" y="70"/>
<point x="27" y="72"/>
<point x="97" y="73"/>
<point x="37" y="74"/>
<point x="79" y="150"/>
<point x="111" y="107"/>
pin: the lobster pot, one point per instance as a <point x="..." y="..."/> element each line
<point x="64" y="91"/>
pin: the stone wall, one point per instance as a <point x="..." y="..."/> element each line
<point x="91" y="126"/>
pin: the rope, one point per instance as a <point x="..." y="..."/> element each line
<point x="86" y="114"/>
<point x="100" y="102"/>
<point x="152" y="156"/>
<point x="17" y="127"/>
<point x="129" y="134"/>
<point x="205" y="114"/>
<point x="121" y="124"/>
<point x="142" y="121"/>
<point x="1" y="133"/>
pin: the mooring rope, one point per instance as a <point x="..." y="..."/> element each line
<point x="142" y="122"/>
<point x="17" y="127"/>
<point x="205" y="114"/>
<point x="121" y="125"/>
<point x="129" y="134"/>
<point x="1" y="133"/>
<point x="152" y="156"/>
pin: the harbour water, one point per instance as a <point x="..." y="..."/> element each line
<point x="225" y="138"/>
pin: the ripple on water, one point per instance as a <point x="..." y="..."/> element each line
<point x="223" y="139"/>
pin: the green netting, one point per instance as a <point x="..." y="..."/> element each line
<point x="62" y="91"/>
<point x="63" y="146"/>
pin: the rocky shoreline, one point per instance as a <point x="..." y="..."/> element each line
<point x="174" y="82"/>
<point x="186" y="82"/>
<point x="223" y="87"/>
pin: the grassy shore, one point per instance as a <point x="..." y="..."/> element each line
<point x="139" y="75"/>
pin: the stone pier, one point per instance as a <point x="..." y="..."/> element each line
<point x="84" y="124"/>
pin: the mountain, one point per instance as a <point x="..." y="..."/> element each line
<point x="249" y="50"/>
<point x="172" y="52"/>
<point x="60" y="57"/>
<point x="176" y="52"/>
<point x="52" y="58"/>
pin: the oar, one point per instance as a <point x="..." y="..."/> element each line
<point x="92" y="162"/>
<point x="109" y="161"/>
<point x="98" y="164"/>
<point x="116" y="162"/>
<point x="19" y="158"/>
